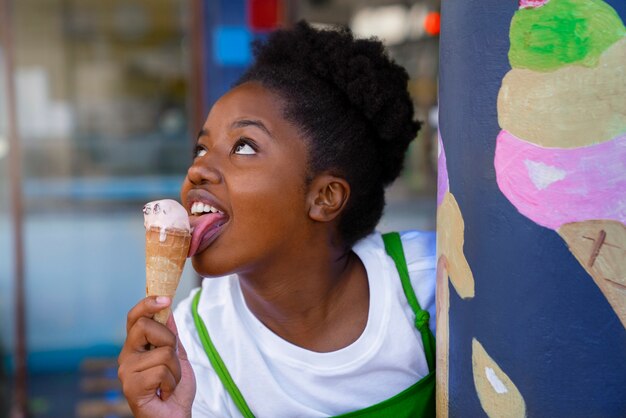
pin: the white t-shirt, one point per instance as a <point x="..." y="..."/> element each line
<point x="280" y="379"/>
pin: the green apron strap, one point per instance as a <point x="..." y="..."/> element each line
<point x="393" y="245"/>
<point x="216" y="361"/>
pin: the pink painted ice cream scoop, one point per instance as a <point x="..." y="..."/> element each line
<point x="555" y="186"/>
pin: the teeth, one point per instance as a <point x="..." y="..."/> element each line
<point x="199" y="207"/>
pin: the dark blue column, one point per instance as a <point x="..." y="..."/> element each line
<point x="532" y="209"/>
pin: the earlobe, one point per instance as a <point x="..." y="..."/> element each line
<point x="328" y="196"/>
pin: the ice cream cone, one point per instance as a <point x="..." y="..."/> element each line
<point x="600" y="247"/>
<point x="166" y="252"/>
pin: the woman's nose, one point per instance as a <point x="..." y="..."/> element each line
<point x="203" y="171"/>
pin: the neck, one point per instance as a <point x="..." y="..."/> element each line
<point x="318" y="300"/>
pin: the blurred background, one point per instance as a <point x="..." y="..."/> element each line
<point x="109" y="96"/>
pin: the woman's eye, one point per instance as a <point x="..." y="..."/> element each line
<point x="199" y="152"/>
<point x="243" y="148"/>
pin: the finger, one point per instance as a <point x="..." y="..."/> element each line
<point x="171" y="325"/>
<point x="161" y="356"/>
<point x="142" y="386"/>
<point x="180" y="349"/>
<point x="147" y="307"/>
<point x="147" y="332"/>
<point x="168" y="385"/>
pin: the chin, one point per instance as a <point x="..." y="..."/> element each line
<point x="207" y="269"/>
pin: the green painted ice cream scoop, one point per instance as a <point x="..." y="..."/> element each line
<point x="555" y="33"/>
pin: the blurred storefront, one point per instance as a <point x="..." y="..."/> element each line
<point x="109" y="97"/>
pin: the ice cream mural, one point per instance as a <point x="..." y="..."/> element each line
<point x="451" y="263"/>
<point x="531" y="209"/>
<point x="560" y="158"/>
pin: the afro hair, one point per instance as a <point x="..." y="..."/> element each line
<point x="351" y="103"/>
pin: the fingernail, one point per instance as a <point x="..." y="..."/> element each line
<point x="162" y="300"/>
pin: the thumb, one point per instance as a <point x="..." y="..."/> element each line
<point x="171" y="325"/>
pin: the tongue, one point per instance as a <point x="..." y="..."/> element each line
<point x="201" y="226"/>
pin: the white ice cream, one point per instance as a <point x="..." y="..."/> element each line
<point x="166" y="214"/>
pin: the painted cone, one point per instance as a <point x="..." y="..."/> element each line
<point x="164" y="264"/>
<point x="600" y="247"/>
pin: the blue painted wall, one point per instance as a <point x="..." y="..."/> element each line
<point x="535" y="308"/>
<point x="228" y="41"/>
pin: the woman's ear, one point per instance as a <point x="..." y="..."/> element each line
<point x="327" y="197"/>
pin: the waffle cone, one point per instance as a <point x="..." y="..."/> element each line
<point x="600" y="247"/>
<point x="165" y="260"/>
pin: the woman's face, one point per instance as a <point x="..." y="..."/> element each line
<point x="250" y="164"/>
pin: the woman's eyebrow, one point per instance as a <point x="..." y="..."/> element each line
<point x="248" y="122"/>
<point x="203" y="132"/>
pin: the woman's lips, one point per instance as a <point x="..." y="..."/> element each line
<point x="206" y="229"/>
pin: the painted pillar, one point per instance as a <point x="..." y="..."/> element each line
<point x="532" y="209"/>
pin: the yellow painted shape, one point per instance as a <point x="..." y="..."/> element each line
<point x="451" y="263"/>
<point x="570" y="107"/>
<point x="498" y="395"/>
<point x="450" y="239"/>
<point x="443" y="337"/>
<point x="600" y="247"/>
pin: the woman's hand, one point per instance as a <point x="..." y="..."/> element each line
<point x="156" y="376"/>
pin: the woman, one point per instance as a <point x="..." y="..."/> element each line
<point x="304" y="311"/>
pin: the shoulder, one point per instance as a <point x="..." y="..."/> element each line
<point x="214" y="300"/>
<point x="419" y="249"/>
<point x="211" y="398"/>
<point x="420" y="252"/>
<point x="215" y="293"/>
<point x="415" y="242"/>
<point x="419" y="246"/>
